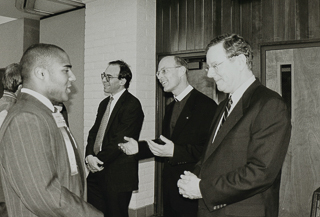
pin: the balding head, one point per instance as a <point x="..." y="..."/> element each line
<point x="172" y="74"/>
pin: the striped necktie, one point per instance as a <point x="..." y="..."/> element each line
<point x="226" y="110"/>
<point x="102" y="128"/>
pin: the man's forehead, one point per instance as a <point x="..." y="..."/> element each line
<point x="216" y="52"/>
<point x="112" y="69"/>
<point x="167" y="62"/>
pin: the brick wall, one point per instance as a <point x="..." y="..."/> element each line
<point x="123" y="29"/>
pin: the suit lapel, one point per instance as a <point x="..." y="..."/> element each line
<point x="232" y="120"/>
<point x="116" y="109"/>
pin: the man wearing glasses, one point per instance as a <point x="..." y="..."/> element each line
<point x="184" y="133"/>
<point x="113" y="175"/>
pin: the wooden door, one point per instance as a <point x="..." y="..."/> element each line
<point x="301" y="169"/>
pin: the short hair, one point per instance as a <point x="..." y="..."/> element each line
<point x="125" y="71"/>
<point x="181" y="62"/>
<point x="37" y="55"/>
<point x="234" y="45"/>
<point x="12" y="77"/>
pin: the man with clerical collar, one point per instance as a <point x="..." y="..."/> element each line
<point x="42" y="172"/>
<point x="185" y="131"/>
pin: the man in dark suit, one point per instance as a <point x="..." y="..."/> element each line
<point x="113" y="175"/>
<point x="239" y="174"/>
<point x="186" y="123"/>
<point x="41" y="170"/>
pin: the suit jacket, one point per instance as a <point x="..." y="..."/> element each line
<point x="126" y="118"/>
<point x="6" y="102"/>
<point x="189" y="136"/>
<point x="35" y="169"/>
<point x="242" y="167"/>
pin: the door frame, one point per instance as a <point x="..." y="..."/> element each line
<point x="281" y="45"/>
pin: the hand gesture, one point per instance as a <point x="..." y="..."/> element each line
<point x="131" y="147"/>
<point x="165" y="150"/>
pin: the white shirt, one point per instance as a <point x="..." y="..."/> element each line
<point x="40" y="97"/>
<point x="235" y="97"/>
<point x="115" y="99"/>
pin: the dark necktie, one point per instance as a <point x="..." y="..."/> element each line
<point x="102" y="128"/>
<point x="226" y="111"/>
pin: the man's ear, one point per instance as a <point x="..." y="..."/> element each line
<point x="182" y="70"/>
<point x="40" y="72"/>
<point x="241" y="61"/>
<point x="123" y="81"/>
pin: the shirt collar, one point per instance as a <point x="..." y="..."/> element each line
<point x="185" y="92"/>
<point x="40" y="97"/>
<point x="239" y="92"/>
<point x="117" y="95"/>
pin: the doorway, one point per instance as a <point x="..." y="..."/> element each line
<point x="293" y="70"/>
<point x="197" y="77"/>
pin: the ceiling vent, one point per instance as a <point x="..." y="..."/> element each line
<point x="46" y="8"/>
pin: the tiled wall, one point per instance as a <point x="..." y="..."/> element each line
<point x="123" y="29"/>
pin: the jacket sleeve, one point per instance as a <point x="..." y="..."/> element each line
<point x="28" y="164"/>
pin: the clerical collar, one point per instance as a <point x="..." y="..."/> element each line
<point x="40" y="97"/>
<point x="183" y="94"/>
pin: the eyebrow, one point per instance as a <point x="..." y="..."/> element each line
<point x="68" y="66"/>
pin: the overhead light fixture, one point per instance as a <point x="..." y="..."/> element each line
<point x="48" y="7"/>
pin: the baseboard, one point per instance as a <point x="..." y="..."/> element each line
<point x="145" y="211"/>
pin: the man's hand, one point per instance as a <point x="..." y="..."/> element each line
<point x="165" y="150"/>
<point x="189" y="186"/>
<point x="131" y="147"/>
<point x="94" y="164"/>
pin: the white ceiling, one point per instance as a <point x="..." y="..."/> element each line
<point x="9" y="12"/>
<point x="8" y="9"/>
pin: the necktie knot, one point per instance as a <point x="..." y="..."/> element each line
<point x="229" y="104"/>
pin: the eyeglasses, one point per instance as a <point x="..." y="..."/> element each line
<point x="165" y="70"/>
<point x="107" y="77"/>
<point x="215" y="66"/>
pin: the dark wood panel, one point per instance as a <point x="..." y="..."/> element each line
<point x="314" y="19"/>
<point x="290" y="20"/>
<point x="302" y="19"/>
<point x="159" y="27"/>
<point x="174" y="26"/>
<point x="246" y="20"/>
<point x="166" y="25"/>
<point x="267" y="20"/>
<point x="182" y="25"/>
<point x="199" y="24"/>
<point x="190" y="25"/>
<point x="236" y="22"/>
<point x="226" y="17"/>
<point x="279" y="20"/>
<point x="209" y="21"/>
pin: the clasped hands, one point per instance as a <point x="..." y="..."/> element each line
<point x="188" y="185"/>
<point x="131" y="147"/>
